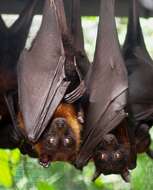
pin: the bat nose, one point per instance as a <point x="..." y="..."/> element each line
<point x="60" y="123"/>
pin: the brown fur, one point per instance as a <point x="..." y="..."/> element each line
<point x="21" y="122"/>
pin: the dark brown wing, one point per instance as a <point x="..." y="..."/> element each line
<point x="77" y="35"/>
<point x="41" y="74"/>
<point x="20" y="29"/>
<point x="3" y="37"/>
<point x="74" y="20"/>
<point x="107" y="85"/>
<point x="134" y="44"/>
<point x="12" y="40"/>
<point x="82" y="61"/>
<point x="139" y="65"/>
<point x="3" y="27"/>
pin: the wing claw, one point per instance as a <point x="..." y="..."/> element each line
<point x="76" y="94"/>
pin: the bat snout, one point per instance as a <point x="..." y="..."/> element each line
<point x="59" y="124"/>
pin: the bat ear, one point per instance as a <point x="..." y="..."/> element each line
<point x="96" y="175"/>
<point x="126" y="175"/>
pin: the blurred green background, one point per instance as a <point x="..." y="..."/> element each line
<point x="18" y="172"/>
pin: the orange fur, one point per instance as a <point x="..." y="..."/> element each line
<point x="38" y="148"/>
<point x="21" y="122"/>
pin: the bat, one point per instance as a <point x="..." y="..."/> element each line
<point x="13" y="40"/>
<point x="113" y="154"/>
<point x="106" y="120"/>
<point x="140" y="76"/>
<point x="50" y="80"/>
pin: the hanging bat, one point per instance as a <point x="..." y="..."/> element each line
<point x="140" y="75"/>
<point x="13" y="40"/>
<point x="106" y="125"/>
<point x="50" y="79"/>
<point x="112" y="154"/>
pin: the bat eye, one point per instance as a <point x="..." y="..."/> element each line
<point x="52" y="141"/>
<point x="103" y="156"/>
<point x="67" y="141"/>
<point x="117" y="155"/>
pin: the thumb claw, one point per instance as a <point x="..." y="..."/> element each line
<point x="126" y="176"/>
<point x="96" y="175"/>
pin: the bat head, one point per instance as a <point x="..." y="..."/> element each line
<point x="60" y="141"/>
<point x="110" y="157"/>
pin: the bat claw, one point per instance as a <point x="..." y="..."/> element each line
<point x="78" y="167"/>
<point x="76" y="94"/>
<point x="80" y="119"/>
<point x="126" y="176"/>
<point x="79" y="164"/>
<point x="81" y="116"/>
<point x="96" y="175"/>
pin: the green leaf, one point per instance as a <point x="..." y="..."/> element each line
<point x="15" y="156"/>
<point x="45" y="186"/>
<point x="142" y="175"/>
<point x="5" y="174"/>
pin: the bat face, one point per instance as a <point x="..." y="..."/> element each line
<point x="60" y="141"/>
<point x="111" y="162"/>
<point x="111" y="157"/>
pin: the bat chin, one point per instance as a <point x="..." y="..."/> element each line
<point x="46" y="159"/>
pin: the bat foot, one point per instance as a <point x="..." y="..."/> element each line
<point x="150" y="153"/>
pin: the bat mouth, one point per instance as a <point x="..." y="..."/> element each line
<point x="45" y="161"/>
<point x="44" y="164"/>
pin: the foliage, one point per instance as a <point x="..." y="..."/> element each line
<point x="20" y="172"/>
